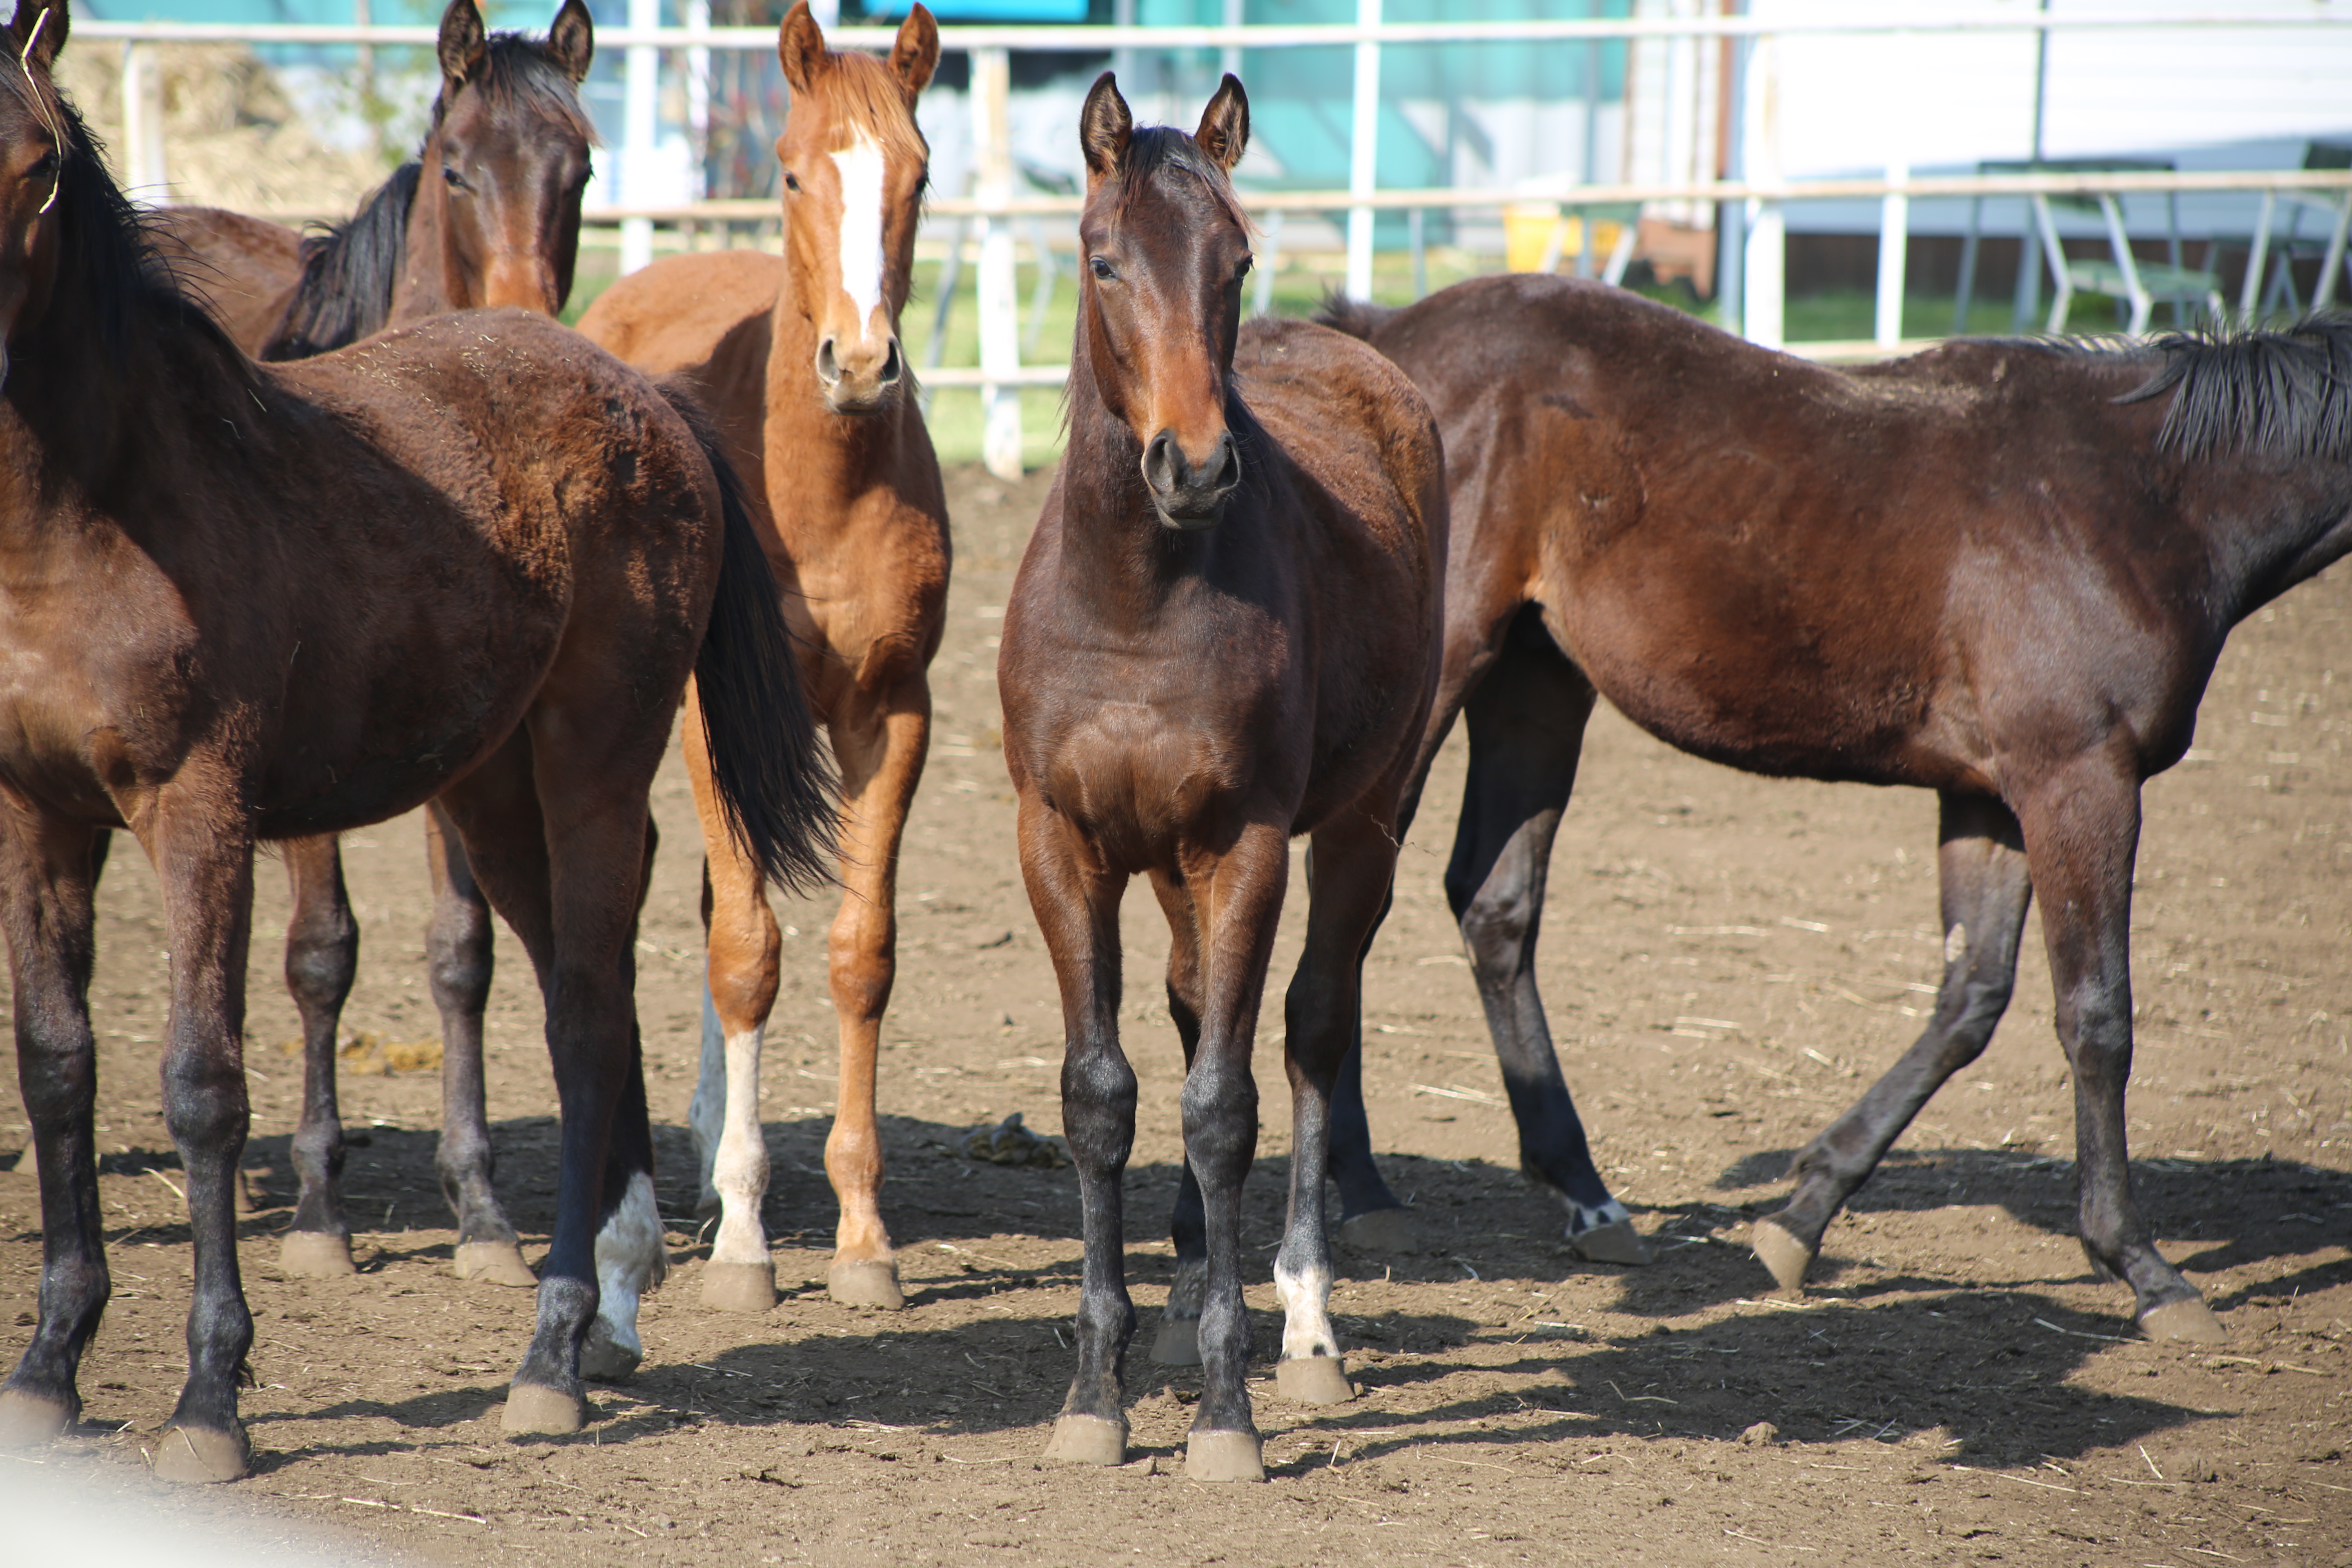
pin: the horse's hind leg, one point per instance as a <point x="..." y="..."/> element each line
<point x="1348" y="869"/>
<point x="458" y="950"/>
<point x="746" y="955"/>
<point x="632" y="1256"/>
<point x="1527" y="724"/>
<point x="2082" y="832"/>
<point x="1984" y="891"/>
<point x="1178" y="1342"/>
<point x="207" y="867"/>
<point x="878" y="739"/>
<point x="47" y="872"/>
<point x="323" y="953"/>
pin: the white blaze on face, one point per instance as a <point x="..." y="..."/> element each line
<point x="860" y="164"/>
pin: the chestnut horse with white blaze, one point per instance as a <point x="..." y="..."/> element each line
<point x="476" y="562"/>
<point x="2002" y="571"/>
<point x="799" y="361"/>
<point x="1223" y="633"/>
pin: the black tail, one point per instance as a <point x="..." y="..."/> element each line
<point x="1357" y="318"/>
<point x="775" y="783"/>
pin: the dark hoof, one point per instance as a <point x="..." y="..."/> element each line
<point x="739" y="1287"/>
<point x="1178" y="1344"/>
<point x="535" y="1407"/>
<point x="1087" y="1441"/>
<point x="498" y="1262"/>
<point x="1224" y="1456"/>
<point x="27" y="1420"/>
<point x="1780" y="1252"/>
<point x="200" y="1455"/>
<point x="1380" y="1230"/>
<point x="315" y="1254"/>
<point x="1616" y="1242"/>
<point x="1313" y="1379"/>
<point x="860" y="1282"/>
<point x="604" y="1360"/>
<point x="2190" y="1320"/>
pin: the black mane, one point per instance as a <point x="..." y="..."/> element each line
<point x="2285" y="391"/>
<point x="350" y="269"/>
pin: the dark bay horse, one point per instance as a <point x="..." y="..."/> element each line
<point x="487" y="214"/>
<point x="476" y="562"/>
<point x="1998" y="570"/>
<point x="798" y="359"/>
<point x="1223" y="633"/>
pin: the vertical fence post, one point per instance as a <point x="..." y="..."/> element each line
<point x="1229" y="59"/>
<point x="1766" y="262"/>
<point x="142" y="126"/>
<point x="1894" y="254"/>
<point x="1000" y="328"/>
<point x="1364" y="152"/>
<point x="641" y="86"/>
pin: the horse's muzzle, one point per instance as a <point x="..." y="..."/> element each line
<point x="1189" y="495"/>
<point x="862" y="382"/>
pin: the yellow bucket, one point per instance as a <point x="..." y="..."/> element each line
<point x="1527" y="234"/>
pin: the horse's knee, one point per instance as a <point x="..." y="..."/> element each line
<point x="1496" y="923"/>
<point x="322" y="955"/>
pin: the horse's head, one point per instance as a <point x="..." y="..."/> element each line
<point x="507" y="158"/>
<point x="35" y="147"/>
<point x="854" y="166"/>
<point x="1166" y="248"/>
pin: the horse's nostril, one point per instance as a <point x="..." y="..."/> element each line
<point x="891" y="366"/>
<point x="1160" y="469"/>
<point x="828" y="367"/>
<point x="1229" y="464"/>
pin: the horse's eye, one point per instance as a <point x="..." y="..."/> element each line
<point x="1103" y="268"/>
<point x="43" y="167"/>
<point x="450" y="177"/>
<point x="791" y="181"/>
<point x="1244" y="269"/>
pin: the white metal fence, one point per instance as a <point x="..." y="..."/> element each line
<point x="1754" y="206"/>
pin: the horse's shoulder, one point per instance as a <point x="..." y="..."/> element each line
<point x="674" y="314"/>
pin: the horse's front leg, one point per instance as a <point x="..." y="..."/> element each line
<point x="1237" y="897"/>
<point x="2082" y="832"/>
<point x="47" y="873"/>
<point x="1178" y="1342"/>
<point x="879" y="739"/>
<point x="206" y="863"/>
<point x="1075" y="899"/>
<point x="323" y="953"/>
<point x="458" y="950"/>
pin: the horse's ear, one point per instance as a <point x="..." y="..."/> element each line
<point x="1224" y="134"/>
<point x="463" y="40"/>
<point x="801" y="46"/>
<point x="39" y="41"/>
<point x="1105" y="127"/>
<point x="572" y="39"/>
<point x="917" y="53"/>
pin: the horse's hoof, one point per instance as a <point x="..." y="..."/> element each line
<point x="535" y="1407"/>
<point x="1087" y="1441"/>
<point x="1780" y="1252"/>
<point x="497" y="1262"/>
<point x="1616" y="1242"/>
<point x="27" y="1420"/>
<point x="858" y="1282"/>
<point x="603" y="1359"/>
<point x="1224" y="1456"/>
<point x="1178" y="1342"/>
<point x="1381" y="1230"/>
<point x="739" y="1287"/>
<point x="1313" y="1379"/>
<point x="315" y="1254"/>
<point x="2189" y="1320"/>
<point x="199" y="1455"/>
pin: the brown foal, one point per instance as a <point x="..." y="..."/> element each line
<point x="1222" y="634"/>
<point x="1998" y="570"/>
<point x="472" y="561"/>
<point x="799" y="361"/>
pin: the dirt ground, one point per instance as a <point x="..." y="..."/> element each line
<point x="1727" y="960"/>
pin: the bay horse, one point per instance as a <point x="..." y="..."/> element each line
<point x="487" y="214"/>
<point x="798" y="359"/>
<point x="2002" y="571"/>
<point x="1223" y="634"/>
<point x="475" y="561"/>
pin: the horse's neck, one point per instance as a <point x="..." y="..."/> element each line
<point x="819" y="462"/>
<point x="2277" y="528"/>
<point x="425" y="286"/>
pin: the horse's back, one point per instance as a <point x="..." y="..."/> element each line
<point x="244" y="268"/>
